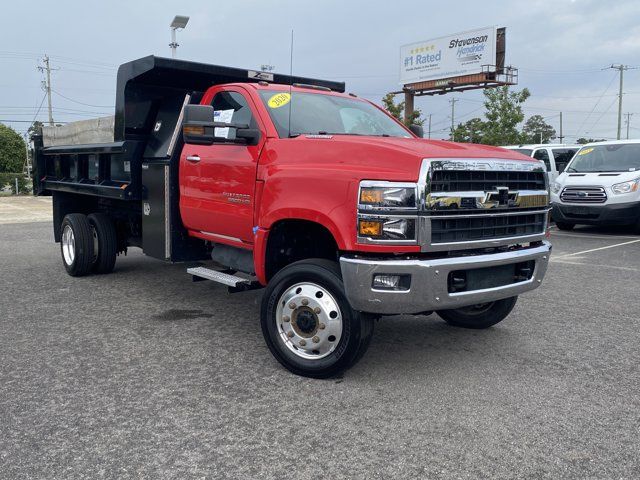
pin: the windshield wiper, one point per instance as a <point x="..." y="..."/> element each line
<point x="571" y="169"/>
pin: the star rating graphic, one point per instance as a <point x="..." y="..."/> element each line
<point x="423" y="49"/>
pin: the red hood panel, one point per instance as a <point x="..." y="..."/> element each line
<point x="389" y="158"/>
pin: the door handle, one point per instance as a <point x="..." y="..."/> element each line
<point x="193" y="158"/>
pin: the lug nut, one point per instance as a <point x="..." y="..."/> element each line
<point x="317" y="310"/>
<point x="305" y="302"/>
<point x="303" y="343"/>
<point x="292" y="305"/>
<point x="285" y="318"/>
<point x="316" y="339"/>
<point x="322" y="326"/>
<point x="289" y="334"/>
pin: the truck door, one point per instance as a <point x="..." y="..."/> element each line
<point x="217" y="182"/>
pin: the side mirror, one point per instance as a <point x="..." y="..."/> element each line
<point x="198" y="126"/>
<point x="417" y="130"/>
<point x="249" y="135"/>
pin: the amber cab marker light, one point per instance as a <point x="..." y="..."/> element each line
<point x="369" y="228"/>
<point x="370" y="195"/>
<point x="194" y="130"/>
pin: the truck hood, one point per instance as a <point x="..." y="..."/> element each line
<point x="596" y="179"/>
<point x="390" y="158"/>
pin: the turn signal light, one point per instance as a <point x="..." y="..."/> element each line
<point x="369" y="228"/>
<point x="370" y="195"/>
<point x="194" y="130"/>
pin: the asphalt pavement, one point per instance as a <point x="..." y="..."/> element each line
<point x="144" y="374"/>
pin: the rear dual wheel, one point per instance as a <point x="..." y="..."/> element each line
<point x="88" y="244"/>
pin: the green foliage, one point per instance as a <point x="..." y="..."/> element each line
<point x="397" y="111"/>
<point x="583" y="141"/>
<point x="470" y="132"/>
<point x="536" y="130"/>
<point x="9" y="180"/>
<point x="12" y="150"/>
<point x="35" y="128"/>
<point x="504" y="114"/>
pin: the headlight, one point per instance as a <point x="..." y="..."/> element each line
<point x="387" y="195"/>
<point x="626" y="187"/>
<point x="386" y="228"/>
<point x="555" y="187"/>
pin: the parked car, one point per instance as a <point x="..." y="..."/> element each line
<point x="600" y="186"/>
<point x="555" y="156"/>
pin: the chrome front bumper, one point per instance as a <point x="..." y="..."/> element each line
<point x="429" y="281"/>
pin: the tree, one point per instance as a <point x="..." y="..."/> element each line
<point x="472" y="131"/>
<point x="12" y="150"/>
<point x="397" y="111"/>
<point x="504" y="113"/>
<point x="536" y="130"/>
<point x="35" y="128"/>
<point x="582" y="140"/>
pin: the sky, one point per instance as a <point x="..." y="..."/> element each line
<point x="562" y="49"/>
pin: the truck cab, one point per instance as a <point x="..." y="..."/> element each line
<point x="341" y="213"/>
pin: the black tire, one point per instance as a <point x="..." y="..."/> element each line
<point x="77" y="263"/>
<point x="479" y="316"/>
<point x="107" y="240"/>
<point x="565" y="226"/>
<point x="357" y="328"/>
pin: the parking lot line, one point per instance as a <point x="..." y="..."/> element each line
<point x="597" y="249"/>
<point x="586" y="235"/>
<point x="597" y="265"/>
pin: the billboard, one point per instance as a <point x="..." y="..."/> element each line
<point x="451" y="56"/>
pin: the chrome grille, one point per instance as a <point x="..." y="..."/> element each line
<point x="583" y="195"/>
<point x="476" y="203"/>
<point x="483" y="180"/>
<point x="465" y="229"/>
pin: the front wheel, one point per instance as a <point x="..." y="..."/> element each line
<point x="483" y="315"/>
<point x="307" y="321"/>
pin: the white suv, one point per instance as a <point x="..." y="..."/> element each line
<point x="600" y="186"/>
<point x="555" y="156"/>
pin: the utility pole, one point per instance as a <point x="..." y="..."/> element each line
<point x="561" y="137"/>
<point x="453" y="115"/>
<point x="628" y="123"/>
<point x="621" y="68"/>
<point x="429" y="126"/>
<point x="46" y="85"/>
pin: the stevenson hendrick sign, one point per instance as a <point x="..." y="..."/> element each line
<point x="445" y="57"/>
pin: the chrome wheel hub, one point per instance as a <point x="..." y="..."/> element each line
<point x="309" y="321"/>
<point x="68" y="245"/>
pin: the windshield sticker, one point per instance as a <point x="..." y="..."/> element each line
<point x="278" y="100"/>
<point x="585" y="151"/>
<point x="223" y="116"/>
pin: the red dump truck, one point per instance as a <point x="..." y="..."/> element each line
<point x="339" y="211"/>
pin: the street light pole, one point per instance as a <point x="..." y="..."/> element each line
<point x="178" y="23"/>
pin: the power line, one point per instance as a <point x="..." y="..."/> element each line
<point x="596" y="104"/>
<point x="81" y="103"/>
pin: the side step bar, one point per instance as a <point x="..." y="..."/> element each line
<point x="235" y="284"/>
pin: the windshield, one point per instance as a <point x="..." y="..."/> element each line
<point x="623" y="157"/>
<point x="316" y="113"/>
